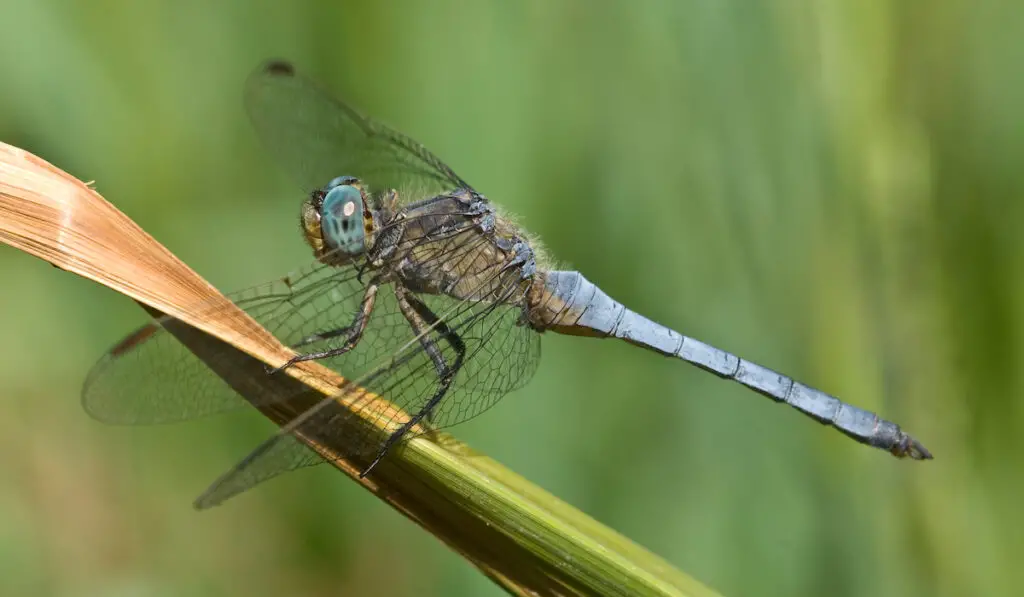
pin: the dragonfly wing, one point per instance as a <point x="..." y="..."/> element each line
<point x="498" y="354"/>
<point x="150" y="377"/>
<point x="318" y="138"/>
<point x="288" y="454"/>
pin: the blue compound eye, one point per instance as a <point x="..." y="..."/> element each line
<point x="341" y="219"/>
<point x="340" y="180"/>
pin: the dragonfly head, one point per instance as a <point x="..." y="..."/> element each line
<point x="336" y="219"/>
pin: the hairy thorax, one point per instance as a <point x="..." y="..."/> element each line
<point x="458" y="246"/>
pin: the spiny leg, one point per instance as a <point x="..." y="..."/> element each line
<point x="386" y="240"/>
<point x="453" y="339"/>
<point x="317" y="337"/>
<point x="353" y="331"/>
<point x="421" y="319"/>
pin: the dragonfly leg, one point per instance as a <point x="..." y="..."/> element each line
<point x="323" y="336"/>
<point x="422" y="319"/>
<point x="444" y="372"/>
<point x="388" y="241"/>
<point x="353" y="331"/>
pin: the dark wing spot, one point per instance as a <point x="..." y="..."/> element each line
<point x="279" y="67"/>
<point x="134" y="339"/>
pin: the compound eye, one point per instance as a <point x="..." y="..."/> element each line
<point x="341" y="219"/>
<point x="339" y="181"/>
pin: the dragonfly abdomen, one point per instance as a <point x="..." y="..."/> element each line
<point x="568" y="303"/>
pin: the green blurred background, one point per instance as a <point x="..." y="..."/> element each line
<point x="832" y="189"/>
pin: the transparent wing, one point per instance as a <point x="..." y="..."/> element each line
<point x="494" y="353"/>
<point x="318" y="138"/>
<point x="149" y="377"/>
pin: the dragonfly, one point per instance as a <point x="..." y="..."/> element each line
<point x="421" y="291"/>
